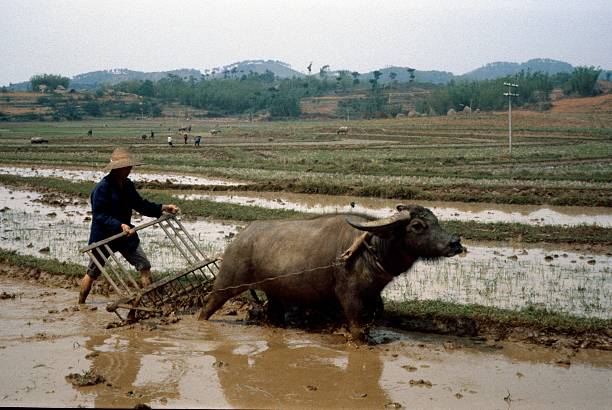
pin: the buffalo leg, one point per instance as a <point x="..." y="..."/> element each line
<point x="354" y="311"/>
<point x="275" y="311"/>
<point x="215" y="301"/>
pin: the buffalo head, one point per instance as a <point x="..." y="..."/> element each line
<point x="419" y="230"/>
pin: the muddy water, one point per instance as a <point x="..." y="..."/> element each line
<point x="226" y="363"/>
<point x="524" y="214"/>
<point x="96" y="175"/>
<point x="28" y="226"/>
<point x="499" y="275"/>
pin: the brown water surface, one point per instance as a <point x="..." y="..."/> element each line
<point x="226" y="363"/>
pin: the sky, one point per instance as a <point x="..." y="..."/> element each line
<point x="70" y="37"/>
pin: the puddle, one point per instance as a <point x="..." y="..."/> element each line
<point x="496" y="275"/>
<point x="223" y="363"/>
<point x="95" y="176"/>
<point x="524" y="214"/>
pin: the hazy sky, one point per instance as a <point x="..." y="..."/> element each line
<point x="69" y="37"/>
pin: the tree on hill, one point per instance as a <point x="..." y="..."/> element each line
<point x="51" y="81"/>
<point x="582" y="81"/>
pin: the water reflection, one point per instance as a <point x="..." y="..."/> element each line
<point x="218" y="365"/>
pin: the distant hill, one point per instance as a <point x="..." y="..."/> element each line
<point x="402" y="75"/>
<point x="93" y="79"/>
<point x="502" y="69"/>
<point x="280" y="69"/>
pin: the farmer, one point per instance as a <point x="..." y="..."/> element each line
<point x="170" y="140"/>
<point x="185" y="136"/>
<point x="112" y="201"/>
<point x="196" y="141"/>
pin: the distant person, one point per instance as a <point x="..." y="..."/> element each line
<point x="152" y="134"/>
<point x="185" y="136"/>
<point x="90" y="133"/>
<point x="170" y="140"/>
<point x="196" y="140"/>
<point x="112" y="202"/>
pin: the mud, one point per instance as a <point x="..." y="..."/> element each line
<point x="226" y="362"/>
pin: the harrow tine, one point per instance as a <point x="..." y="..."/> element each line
<point x="178" y="235"/>
<point x="169" y="235"/>
<point x="123" y="271"/>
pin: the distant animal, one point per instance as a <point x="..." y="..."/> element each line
<point x="342" y="130"/>
<point x="38" y="140"/>
<point x="188" y="129"/>
<point x="334" y="262"/>
<point x="143" y="136"/>
<point x="89" y="133"/>
<point x="214" y="132"/>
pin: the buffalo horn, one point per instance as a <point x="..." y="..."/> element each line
<point x="381" y="225"/>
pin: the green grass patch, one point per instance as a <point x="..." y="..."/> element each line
<point x="48" y="265"/>
<point x="541" y="319"/>
<point x="503" y="231"/>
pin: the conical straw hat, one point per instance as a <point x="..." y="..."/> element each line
<point x="121" y="158"/>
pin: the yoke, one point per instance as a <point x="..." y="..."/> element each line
<point x="182" y="291"/>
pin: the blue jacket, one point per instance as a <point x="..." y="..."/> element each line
<point x="112" y="206"/>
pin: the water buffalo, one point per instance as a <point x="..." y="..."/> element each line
<point x="342" y="130"/>
<point x="305" y="258"/>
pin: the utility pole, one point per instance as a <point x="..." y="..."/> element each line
<point x="510" y="94"/>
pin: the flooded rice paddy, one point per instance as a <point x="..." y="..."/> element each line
<point x="524" y="214"/>
<point x="225" y="363"/>
<point x="489" y="274"/>
<point x="487" y="213"/>
<point x="34" y="228"/>
<point x="97" y="175"/>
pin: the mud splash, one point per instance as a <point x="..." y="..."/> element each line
<point x="227" y="363"/>
<point x="524" y="214"/>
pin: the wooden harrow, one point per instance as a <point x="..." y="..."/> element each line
<point x="178" y="292"/>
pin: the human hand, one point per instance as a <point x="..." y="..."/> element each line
<point x="170" y="208"/>
<point x="126" y="228"/>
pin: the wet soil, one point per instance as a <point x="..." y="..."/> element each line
<point x="228" y="362"/>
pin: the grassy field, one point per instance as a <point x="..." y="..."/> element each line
<point x="557" y="158"/>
